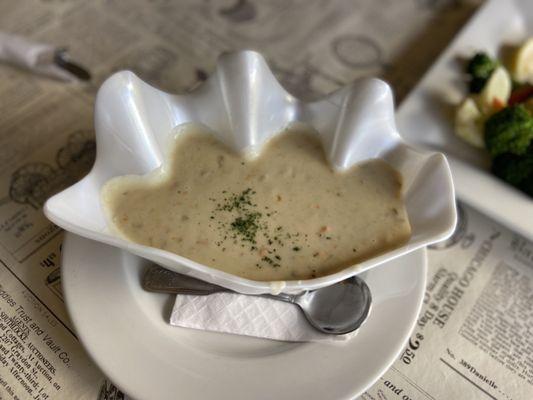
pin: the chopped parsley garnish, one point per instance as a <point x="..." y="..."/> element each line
<point x="247" y="226"/>
<point x="240" y="221"/>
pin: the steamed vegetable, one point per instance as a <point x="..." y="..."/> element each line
<point x="522" y="94"/>
<point x="498" y="114"/>
<point x="509" y="131"/>
<point x="480" y="68"/>
<point x="516" y="170"/>
<point x="522" y="64"/>
<point x="496" y="92"/>
<point x="469" y="123"/>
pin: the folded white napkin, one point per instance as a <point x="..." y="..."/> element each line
<point x="247" y="315"/>
<point x="36" y="57"/>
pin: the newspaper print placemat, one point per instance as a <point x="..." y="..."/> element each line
<point x="473" y="339"/>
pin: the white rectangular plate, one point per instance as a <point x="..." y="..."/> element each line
<point x="425" y="118"/>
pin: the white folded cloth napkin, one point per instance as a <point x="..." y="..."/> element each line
<point x="247" y="315"/>
<point x="36" y="57"/>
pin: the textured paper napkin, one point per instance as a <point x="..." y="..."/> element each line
<point x="247" y="315"/>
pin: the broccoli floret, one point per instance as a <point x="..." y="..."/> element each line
<point x="480" y="67"/>
<point x="509" y="131"/>
<point x="516" y="170"/>
<point x="476" y="85"/>
<point x="512" y="168"/>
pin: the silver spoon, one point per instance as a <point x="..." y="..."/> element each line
<point x="337" y="309"/>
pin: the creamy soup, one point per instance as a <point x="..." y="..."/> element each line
<point x="283" y="215"/>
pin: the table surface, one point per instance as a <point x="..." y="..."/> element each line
<point x="313" y="46"/>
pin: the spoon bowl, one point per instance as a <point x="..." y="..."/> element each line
<point x="337" y="309"/>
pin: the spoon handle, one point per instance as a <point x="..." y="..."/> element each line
<point x="289" y="298"/>
<point x="159" y="279"/>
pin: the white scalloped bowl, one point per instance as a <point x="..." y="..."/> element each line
<point x="245" y="105"/>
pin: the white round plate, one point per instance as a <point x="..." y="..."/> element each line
<point x="125" y="330"/>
